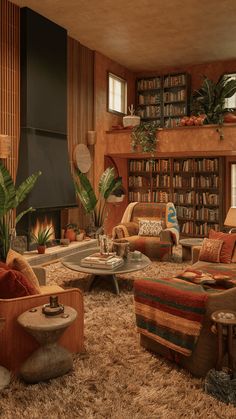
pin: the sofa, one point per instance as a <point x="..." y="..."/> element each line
<point x="155" y="247"/>
<point x="16" y="343"/>
<point x="204" y="354"/>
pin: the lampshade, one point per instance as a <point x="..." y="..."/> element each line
<point x="231" y="217"/>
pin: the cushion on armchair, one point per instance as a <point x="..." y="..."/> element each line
<point x="14" y="284"/>
<point x="19" y="263"/>
<point x="150" y="228"/>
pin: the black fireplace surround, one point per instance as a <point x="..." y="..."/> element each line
<point x="43" y="140"/>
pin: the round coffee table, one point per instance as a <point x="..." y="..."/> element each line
<point x="187" y="245"/>
<point x="130" y="265"/>
<point x="50" y="360"/>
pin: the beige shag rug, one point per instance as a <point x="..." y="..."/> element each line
<point x="115" y="378"/>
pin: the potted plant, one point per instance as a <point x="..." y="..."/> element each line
<point x="210" y="99"/>
<point x="42" y="238"/>
<point x="71" y="230"/>
<point x="10" y="198"/>
<point x="96" y="205"/>
<point x="145" y="135"/>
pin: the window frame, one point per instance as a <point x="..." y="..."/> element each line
<point x="109" y="108"/>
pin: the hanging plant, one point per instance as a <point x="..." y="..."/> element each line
<point x="145" y="135"/>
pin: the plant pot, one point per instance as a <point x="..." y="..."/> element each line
<point x="114" y="198"/>
<point x="79" y="237"/>
<point x="41" y="249"/>
<point x="230" y="118"/>
<point x="131" y="120"/>
<point x="70" y="234"/>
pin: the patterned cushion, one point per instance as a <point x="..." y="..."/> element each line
<point x="228" y="244"/>
<point x="150" y="228"/>
<point x="210" y="250"/>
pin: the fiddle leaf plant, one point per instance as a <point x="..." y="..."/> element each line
<point x="10" y="198"/>
<point x="145" y="135"/>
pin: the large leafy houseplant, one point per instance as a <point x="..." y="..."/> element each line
<point x="10" y="197"/>
<point x="96" y="205"/>
<point x="210" y="98"/>
<point x="145" y="135"/>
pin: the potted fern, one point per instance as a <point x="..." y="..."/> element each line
<point x="42" y="238"/>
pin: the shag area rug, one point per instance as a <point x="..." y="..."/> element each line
<point x="115" y="378"/>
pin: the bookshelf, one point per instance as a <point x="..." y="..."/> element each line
<point x="193" y="184"/>
<point x="164" y="99"/>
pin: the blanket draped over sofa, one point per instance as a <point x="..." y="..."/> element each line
<point x="170" y="311"/>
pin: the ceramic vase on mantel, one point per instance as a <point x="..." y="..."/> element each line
<point x="131" y="120"/>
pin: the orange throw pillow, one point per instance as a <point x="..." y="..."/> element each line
<point x="228" y="245"/>
<point x="211" y="250"/>
<point x="14" y="284"/>
<point x="19" y="263"/>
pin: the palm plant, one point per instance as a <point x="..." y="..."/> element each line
<point x="10" y="198"/>
<point x="42" y="236"/>
<point x="210" y="98"/>
<point x="96" y="206"/>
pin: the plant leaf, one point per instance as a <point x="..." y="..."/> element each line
<point x="25" y="187"/>
<point x="19" y="216"/>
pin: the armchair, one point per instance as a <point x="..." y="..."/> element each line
<point x="154" y="247"/>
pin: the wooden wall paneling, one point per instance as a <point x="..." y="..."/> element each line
<point x="80" y="99"/>
<point x="10" y="79"/>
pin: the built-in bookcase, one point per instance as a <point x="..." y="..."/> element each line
<point x="193" y="184"/>
<point x="164" y="99"/>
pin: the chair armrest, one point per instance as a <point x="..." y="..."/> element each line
<point x="40" y="272"/>
<point x="125" y="230"/>
<point x="195" y="253"/>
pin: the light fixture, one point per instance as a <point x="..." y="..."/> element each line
<point x="5" y="146"/>
<point x="231" y="219"/>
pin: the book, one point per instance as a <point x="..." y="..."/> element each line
<point x="111" y="263"/>
<point x="99" y="257"/>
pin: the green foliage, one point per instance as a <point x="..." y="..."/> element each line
<point x="42" y="237"/>
<point x="145" y="135"/>
<point x="210" y="98"/>
<point x="96" y="206"/>
<point x="73" y="226"/>
<point x="10" y="198"/>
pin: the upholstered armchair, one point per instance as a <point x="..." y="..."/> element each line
<point x="154" y="246"/>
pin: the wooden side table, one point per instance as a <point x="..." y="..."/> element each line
<point x="50" y="360"/>
<point x="187" y="245"/>
<point x="225" y="327"/>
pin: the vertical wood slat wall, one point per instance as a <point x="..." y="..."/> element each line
<point x="10" y="79"/>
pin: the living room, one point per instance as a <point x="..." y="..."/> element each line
<point x="125" y="339"/>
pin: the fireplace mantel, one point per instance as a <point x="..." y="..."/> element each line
<point x="191" y="139"/>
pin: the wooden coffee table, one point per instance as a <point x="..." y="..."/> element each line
<point x="73" y="262"/>
<point x="187" y="245"/>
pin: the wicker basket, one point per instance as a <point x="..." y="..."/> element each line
<point x="5" y="146"/>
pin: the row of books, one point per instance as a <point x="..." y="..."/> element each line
<point x="208" y="165"/>
<point x="174" y="109"/>
<point x="207" y="198"/>
<point x="175" y="80"/>
<point x="140" y="165"/>
<point x="161" y="181"/>
<point x="196" y="165"/>
<point x="140" y="196"/>
<point x="183" y="182"/>
<point x="175" y="96"/>
<point x="202" y="229"/>
<point x="150" y="111"/>
<point x="207" y="181"/>
<point x="149" y="99"/>
<point x="207" y="214"/>
<point x="138" y="182"/>
<point x="185" y="212"/>
<point x="149" y="84"/>
<point x="161" y="196"/>
<point x="184" y="198"/>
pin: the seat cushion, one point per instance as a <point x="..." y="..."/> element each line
<point x="152" y="247"/>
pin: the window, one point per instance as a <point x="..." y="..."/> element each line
<point x="117" y="94"/>
<point x="230" y="103"/>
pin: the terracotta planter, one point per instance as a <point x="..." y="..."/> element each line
<point x="70" y="234"/>
<point x="41" y="249"/>
<point x="230" y="118"/>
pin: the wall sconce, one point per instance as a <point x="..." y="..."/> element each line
<point x="91" y="137"/>
<point x="231" y="219"/>
<point x="5" y="146"/>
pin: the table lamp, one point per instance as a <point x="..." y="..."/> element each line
<point x="231" y="219"/>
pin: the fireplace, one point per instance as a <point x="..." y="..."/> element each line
<point x="39" y="220"/>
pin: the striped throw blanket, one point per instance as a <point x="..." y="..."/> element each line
<point x="170" y="311"/>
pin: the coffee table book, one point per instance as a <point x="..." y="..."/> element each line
<point x="97" y="262"/>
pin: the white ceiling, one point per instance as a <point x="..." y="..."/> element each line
<point x="148" y="34"/>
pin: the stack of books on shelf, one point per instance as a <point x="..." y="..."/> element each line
<point x="102" y="261"/>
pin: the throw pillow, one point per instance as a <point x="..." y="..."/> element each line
<point x="228" y="246"/>
<point x="14" y="284"/>
<point x="210" y="250"/>
<point x="19" y="263"/>
<point x="150" y="228"/>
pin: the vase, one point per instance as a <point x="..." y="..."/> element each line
<point x="70" y="234"/>
<point x="41" y="249"/>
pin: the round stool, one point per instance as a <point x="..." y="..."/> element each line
<point x="225" y="327"/>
